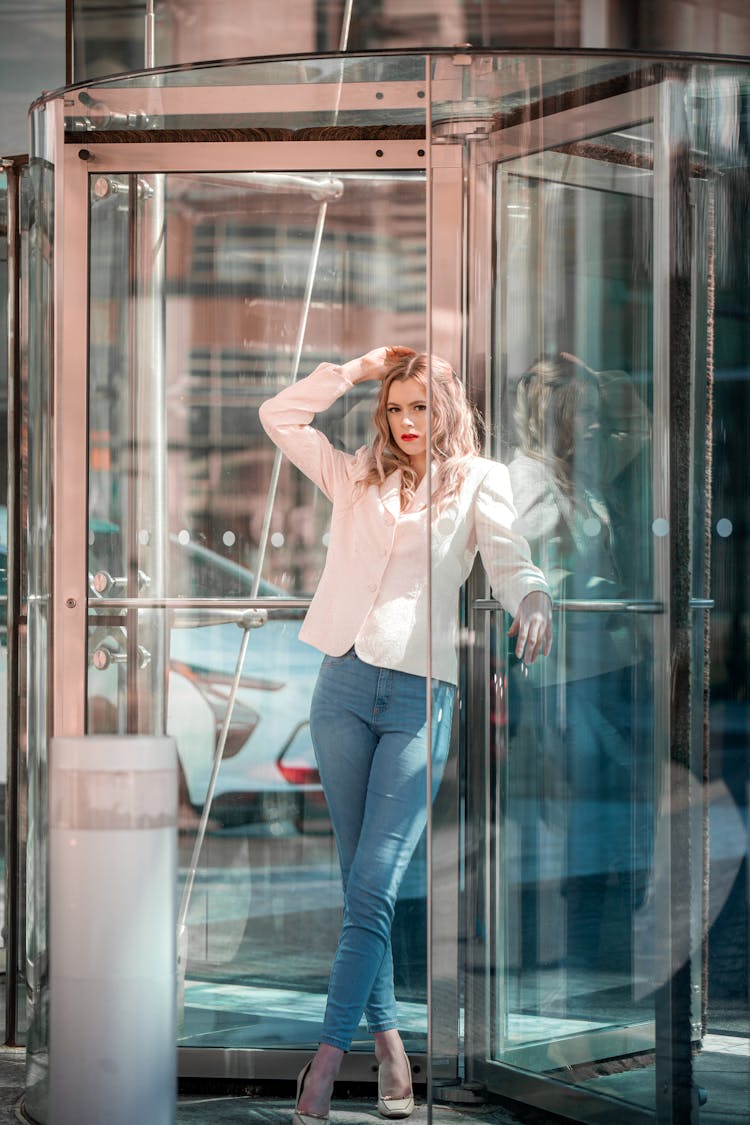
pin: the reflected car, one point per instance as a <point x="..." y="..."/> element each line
<point x="268" y="774"/>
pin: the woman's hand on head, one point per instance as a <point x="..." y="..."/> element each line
<point x="532" y="627"/>
<point x="374" y="365"/>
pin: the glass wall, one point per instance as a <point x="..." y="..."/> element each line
<point x="604" y="841"/>
<point x="569" y="232"/>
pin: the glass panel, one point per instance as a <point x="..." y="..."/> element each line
<point x="385" y="100"/>
<point x="719" y="141"/>
<point x="591" y="847"/>
<point x="113" y="42"/>
<point x="38" y="591"/>
<point x="13" y="606"/>
<point x="242" y="282"/>
<point x="575" y="793"/>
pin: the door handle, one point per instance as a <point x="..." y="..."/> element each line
<point x="582" y="605"/>
<point x="602" y="605"/>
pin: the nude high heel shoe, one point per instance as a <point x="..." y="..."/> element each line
<point x="395" y="1107"/>
<point x="307" y="1118"/>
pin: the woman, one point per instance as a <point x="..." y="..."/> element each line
<point x="369" y="617"/>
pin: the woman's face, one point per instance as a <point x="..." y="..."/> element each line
<point x="406" y="409"/>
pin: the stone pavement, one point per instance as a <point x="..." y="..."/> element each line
<point x="216" y="1110"/>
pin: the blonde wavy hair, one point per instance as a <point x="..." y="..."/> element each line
<point x="455" y="438"/>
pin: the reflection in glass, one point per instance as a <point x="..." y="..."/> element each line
<point x="39" y="579"/>
<point x="578" y="431"/>
<point x="573" y="769"/>
<point x="236" y="268"/>
<point x="264" y="910"/>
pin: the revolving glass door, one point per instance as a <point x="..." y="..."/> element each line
<point x="218" y="236"/>
<point x="587" y="343"/>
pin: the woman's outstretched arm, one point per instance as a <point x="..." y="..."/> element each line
<point x="518" y="584"/>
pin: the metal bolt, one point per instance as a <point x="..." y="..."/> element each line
<point x="71" y="603"/>
<point x="101" y="659"/>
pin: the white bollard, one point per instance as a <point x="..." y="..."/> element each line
<point x="112" y="955"/>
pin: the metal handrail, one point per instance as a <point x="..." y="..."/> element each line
<point x="238" y="604"/>
<point x="585" y="605"/>
<point x="601" y="605"/>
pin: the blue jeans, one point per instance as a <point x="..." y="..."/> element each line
<point x="369" y="730"/>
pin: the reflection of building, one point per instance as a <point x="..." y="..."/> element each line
<point x="232" y="325"/>
<point x="109" y="37"/>
<point x="516" y="204"/>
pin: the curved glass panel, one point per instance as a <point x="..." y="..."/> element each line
<point x="592" y="300"/>
<point x="223" y="230"/>
<point x="574" y="306"/>
<point x="283" y="100"/>
<point x="13" y="588"/>
<point x="39" y="578"/>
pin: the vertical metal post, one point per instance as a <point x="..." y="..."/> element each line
<point x="149" y="36"/>
<point x="69" y="42"/>
<point x="13" y="167"/>
<point x="428" y="565"/>
<point x="676" y="1096"/>
<point x="149" y="513"/>
<point x="148" y="493"/>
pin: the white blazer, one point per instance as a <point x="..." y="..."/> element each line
<point x="383" y="610"/>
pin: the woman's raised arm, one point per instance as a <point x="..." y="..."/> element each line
<point x="287" y="419"/>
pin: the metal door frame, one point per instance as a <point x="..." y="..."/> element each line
<point x="82" y="160"/>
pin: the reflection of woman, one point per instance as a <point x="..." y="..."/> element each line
<point x="370" y="616"/>
<point x="578" y="430"/>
